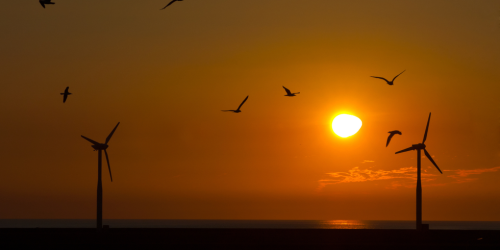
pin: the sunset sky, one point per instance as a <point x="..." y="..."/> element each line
<point x="166" y="75"/>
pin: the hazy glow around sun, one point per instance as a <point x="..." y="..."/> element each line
<point x="346" y="125"/>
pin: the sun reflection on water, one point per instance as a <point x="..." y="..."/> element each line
<point x="345" y="224"/>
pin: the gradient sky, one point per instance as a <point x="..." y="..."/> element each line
<point x="165" y="75"/>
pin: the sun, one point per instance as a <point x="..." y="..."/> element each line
<point x="346" y="125"/>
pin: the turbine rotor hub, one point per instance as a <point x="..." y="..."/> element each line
<point x="100" y="146"/>
<point x="419" y="146"/>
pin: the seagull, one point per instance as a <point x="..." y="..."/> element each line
<point x="391" y="82"/>
<point x="66" y="94"/>
<point x="288" y="93"/>
<point x="238" y="110"/>
<point x="170" y="3"/>
<point x="44" y="2"/>
<point x="392" y="133"/>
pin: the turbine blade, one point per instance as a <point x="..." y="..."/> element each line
<point x="90" y="140"/>
<point x="430" y="158"/>
<point x="109" y="167"/>
<point x="406" y="149"/>
<point x="427" y="128"/>
<point x="111" y="134"/>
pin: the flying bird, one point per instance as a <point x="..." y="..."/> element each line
<point x="389" y="82"/>
<point x="392" y="133"/>
<point x="44" y="2"/>
<point x="66" y="94"/>
<point x="288" y="93"/>
<point x="173" y="1"/>
<point x="238" y="110"/>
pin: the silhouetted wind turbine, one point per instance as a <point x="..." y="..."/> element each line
<point x="44" y="2"/>
<point x="392" y="133"/>
<point x="389" y="82"/>
<point x="100" y="147"/>
<point x="289" y="93"/>
<point x="419" y="147"/>
<point x="238" y="110"/>
<point x="66" y="93"/>
<point x="173" y="1"/>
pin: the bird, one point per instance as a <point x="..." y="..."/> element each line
<point x="389" y="82"/>
<point x="288" y="93"/>
<point x="392" y="133"/>
<point x="44" y="2"/>
<point x="66" y="94"/>
<point x="238" y="110"/>
<point x="173" y="1"/>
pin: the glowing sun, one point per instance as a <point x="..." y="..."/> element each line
<point x="346" y="125"/>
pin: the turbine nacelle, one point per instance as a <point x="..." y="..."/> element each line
<point x="100" y="146"/>
<point x="418" y="146"/>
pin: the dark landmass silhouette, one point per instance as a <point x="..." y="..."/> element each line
<point x="310" y="239"/>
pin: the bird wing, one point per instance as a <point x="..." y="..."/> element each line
<point x="169" y="4"/>
<point x="287" y="91"/>
<point x="43" y="4"/>
<point x="389" y="139"/>
<point x="90" y="140"/>
<point x="65" y="97"/>
<point x="66" y="90"/>
<point x="242" y="103"/>
<point x="398" y="75"/>
<point x="380" y="78"/>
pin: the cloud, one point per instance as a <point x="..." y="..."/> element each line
<point x="400" y="177"/>
<point x="367" y="161"/>
<point x="362" y="175"/>
<point x="461" y="175"/>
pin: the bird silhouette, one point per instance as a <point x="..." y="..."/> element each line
<point x="237" y="110"/>
<point x="392" y="133"/>
<point x="173" y="1"/>
<point x="44" y="2"/>
<point x="389" y="82"/>
<point x="288" y="93"/>
<point x="66" y="94"/>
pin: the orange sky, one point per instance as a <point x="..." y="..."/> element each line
<point x="165" y="75"/>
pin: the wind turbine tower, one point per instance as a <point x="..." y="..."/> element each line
<point x="419" y="147"/>
<point x="100" y="147"/>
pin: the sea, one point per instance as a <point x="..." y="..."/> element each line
<point x="261" y="224"/>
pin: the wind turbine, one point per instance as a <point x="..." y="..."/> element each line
<point x="419" y="147"/>
<point x="100" y="147"/>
